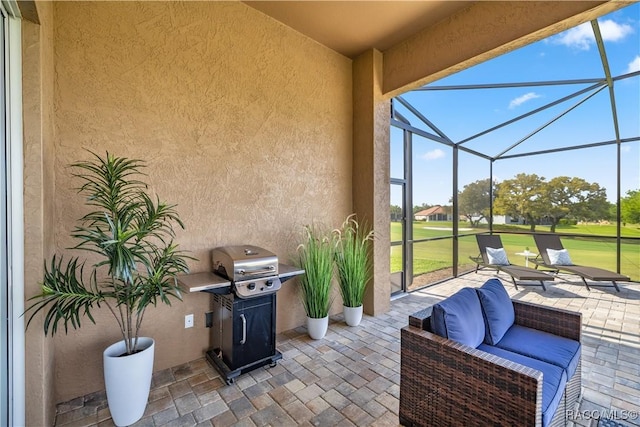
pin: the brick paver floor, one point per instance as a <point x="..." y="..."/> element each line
<point x="351" y="377"/>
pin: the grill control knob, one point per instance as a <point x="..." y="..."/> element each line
<point x="251" y="286"/>
<point x="269" y="283"/>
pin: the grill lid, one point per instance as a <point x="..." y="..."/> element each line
<point x="244" y="262"/>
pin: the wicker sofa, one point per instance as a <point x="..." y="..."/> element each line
<point x="444" y="382"/>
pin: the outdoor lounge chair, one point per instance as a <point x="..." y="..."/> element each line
<point x="546" y="242"/>
<point x="516" y="272"/>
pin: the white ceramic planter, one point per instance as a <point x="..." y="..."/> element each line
<point x="317" y="328"/>
<point x="128" y="380"/>
<point x="352" y="315"/>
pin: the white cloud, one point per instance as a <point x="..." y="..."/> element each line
<point x="612" y="31"/>
<point x="433" y="154"/>
<point x="522" y="99"/>
<point x="634" y="65"/>
<point x="581" y="37"/>
<point x="625" y="148"/>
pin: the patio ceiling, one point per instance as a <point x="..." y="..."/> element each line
<point x="352" y="27"/>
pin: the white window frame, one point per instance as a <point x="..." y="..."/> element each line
<point x="15" y="223"/>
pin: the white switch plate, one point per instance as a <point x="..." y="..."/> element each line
<point x="188" y="321"/>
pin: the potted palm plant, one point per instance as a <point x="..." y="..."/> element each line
<point x="315" y="256"/>
<point x="353" y="259"/>
<point x="132" y="234"/>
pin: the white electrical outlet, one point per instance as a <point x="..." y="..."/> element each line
<point x="188" y="321"/>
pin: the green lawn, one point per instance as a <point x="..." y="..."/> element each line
<point x="629" y="230"/>
<point x="434" y="255"/>
<point x="424" y="230"/>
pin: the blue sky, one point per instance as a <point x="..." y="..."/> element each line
<point x="572" y="54"/>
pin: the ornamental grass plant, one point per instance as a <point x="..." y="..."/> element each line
<point x="316" y="256"/>
<point x="353" y="260"/>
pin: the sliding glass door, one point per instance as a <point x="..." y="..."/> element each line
<point x="5" y="344"/>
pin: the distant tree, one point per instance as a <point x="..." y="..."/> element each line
<point x="575" y="198"/>
<point x="474" y="201"/>
<point x="630" y="207"/>
<point x="613" y="212"/>
<point x="520" y="197"/>
<point x="396" y="213"/>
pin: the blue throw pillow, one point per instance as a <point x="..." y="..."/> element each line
<point x="497" y="309"/>
<point x="459" y="318"/>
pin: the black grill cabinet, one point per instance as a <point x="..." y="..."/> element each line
<point x="243" y="333"/>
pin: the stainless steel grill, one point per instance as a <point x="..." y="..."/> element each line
<point x="253" y="271"/>
<point x="243" y="289"/>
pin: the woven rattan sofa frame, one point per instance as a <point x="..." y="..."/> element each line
<point x="443" y="382"/>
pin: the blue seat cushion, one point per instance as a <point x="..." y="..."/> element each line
<point x="497" y="309"/>
<point x="554" y="379"/>
<point x="459" y="318"/>
<point x="560" y="351"/>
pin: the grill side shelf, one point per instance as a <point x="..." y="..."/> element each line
<point x="211" y="282"/>
<point x="207" y="282"/>
<point x="286" y="272"/>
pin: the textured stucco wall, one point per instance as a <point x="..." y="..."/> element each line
<point x="245" y="125"/>
<point x="37" y="98"/>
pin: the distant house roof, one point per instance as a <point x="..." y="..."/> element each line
<point x="437" y="209"/>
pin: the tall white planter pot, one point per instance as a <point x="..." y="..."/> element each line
<point x="128" y="380"/>
<point x="352" y="315"/>
<point x="317" y="328"/>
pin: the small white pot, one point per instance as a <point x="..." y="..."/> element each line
<point x="317" y="328"/>
<point x="352" y="315"/>
<point x="128" y="380"/>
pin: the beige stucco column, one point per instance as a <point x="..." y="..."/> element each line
<point x="37" y="95"/>
<point x="371" y="170"/>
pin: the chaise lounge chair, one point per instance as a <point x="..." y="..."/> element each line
<point x="491" y="251"/>
<point x="552" y="255"/>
